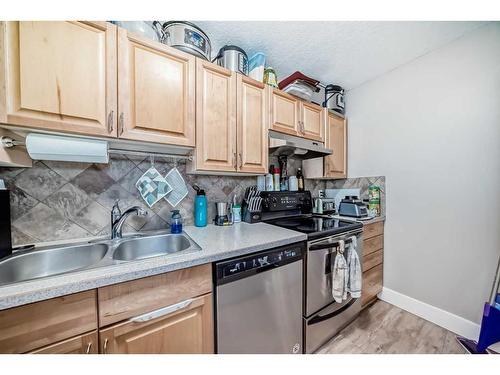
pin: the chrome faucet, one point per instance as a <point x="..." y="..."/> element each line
<point x="118" y="218"/>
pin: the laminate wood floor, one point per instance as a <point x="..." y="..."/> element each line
<point x="383" y="328"/>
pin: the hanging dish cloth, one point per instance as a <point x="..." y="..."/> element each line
<point x="179" y="188"/>
<point x="355" y="274"/>
<point x="339" y="275"/>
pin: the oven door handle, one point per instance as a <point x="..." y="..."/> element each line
<point x="321" y="318"/>
<point x="323" y="246"/>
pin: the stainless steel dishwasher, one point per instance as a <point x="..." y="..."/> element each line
<point x="258" y="302"/>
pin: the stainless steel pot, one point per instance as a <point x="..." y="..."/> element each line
<point x="334" y="98"/>
<point x="187" y="37"/>
<point x="233" y="58"/>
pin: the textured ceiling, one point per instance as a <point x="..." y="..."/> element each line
<point x="346" y="53"/>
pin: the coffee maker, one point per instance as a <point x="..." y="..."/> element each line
<point x="5" y="230"/>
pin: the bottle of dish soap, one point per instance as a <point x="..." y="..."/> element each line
<point x="176" y="222"/>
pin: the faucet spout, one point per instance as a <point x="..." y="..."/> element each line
<point x="117" y="223"/>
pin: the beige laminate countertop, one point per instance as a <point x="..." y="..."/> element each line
<point x="217" y="243"/>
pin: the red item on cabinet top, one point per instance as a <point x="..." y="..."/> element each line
<point x="295" y="76"/>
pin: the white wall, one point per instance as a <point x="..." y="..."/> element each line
<point x="432" y="127"/>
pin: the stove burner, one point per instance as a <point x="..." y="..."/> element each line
<point x="287" y="223"/>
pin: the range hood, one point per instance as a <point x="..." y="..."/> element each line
<point x="295" y="147"/>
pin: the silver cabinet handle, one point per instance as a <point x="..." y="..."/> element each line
<point x="241" y="160"/>
<point x="105" y="347"/>
<point x="110" y="121"/>
<point x="121" y="124"/>
<point x="89" y="345"/>
<point x="235" y="160"/>
<point x="161" y="312"/>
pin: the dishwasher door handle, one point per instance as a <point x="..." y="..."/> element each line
<point x="161" y="312"/>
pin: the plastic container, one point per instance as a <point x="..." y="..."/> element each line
<point x="276" y="177"/>
<point x="270" y="77"/>
<point x="176" y="222"/>
<point x="236" y="213"/>
<point x="269" y="182"/>
<point x="293" y="184"/>
<point x="261" y="183"/>
<point x="374" y="200"/>
<point x="256" y="66"/>
<point x="200" y="209"/>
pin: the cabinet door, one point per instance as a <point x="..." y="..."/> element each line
<point x="252" y="125"/>
<point x="215" y="118"/>
<point x="336" y="139"/>
<point x="284" y="112"/>
<point x="186" y="327"/>
<point x="372" y="284"/>
<point x="36" y="325"/>
<point x="59" y="76"/>
<point x="312" y="121"/>
<point x="83" y="344"/>
<point x="156" y="91"/>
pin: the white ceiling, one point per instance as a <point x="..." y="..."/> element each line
<point x="345" y="53"/>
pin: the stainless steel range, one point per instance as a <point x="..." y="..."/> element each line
<point x="322" y="316"/>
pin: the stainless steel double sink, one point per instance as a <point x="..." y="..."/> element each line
<point x="51" y="261"/>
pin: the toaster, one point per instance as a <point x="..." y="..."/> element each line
<point x="353" y="207"/>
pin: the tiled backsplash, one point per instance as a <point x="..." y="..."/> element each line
<point x="66" y="200"/>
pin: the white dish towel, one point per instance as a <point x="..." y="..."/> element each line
<point x="340" y="275"/>
<point x="354" y="266"/>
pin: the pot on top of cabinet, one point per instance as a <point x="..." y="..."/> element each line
<point x="233" y="58"/>
<point x="187" y="37"/>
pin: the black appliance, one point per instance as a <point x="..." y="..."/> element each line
<point x="5" y="230"/>
<point x="322" y="317"/>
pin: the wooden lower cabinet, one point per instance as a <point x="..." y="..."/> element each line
<point x="185" y="327"/>
<point x="82" y="344"/>
<point x="40" y="325"/>
<point x="373" y="257"/>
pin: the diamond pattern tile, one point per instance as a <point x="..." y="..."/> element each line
<point x="65" y="200"/>
<point x="39" y="181"/>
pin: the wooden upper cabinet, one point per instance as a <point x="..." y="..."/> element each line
<point x="215" y="118"/>
<point x="252" y="121"/>
<point x="156" y="91"/>
<point x="336" y="139"/>
<point x="284" y="112"/>
<point x="312" y="119"/>
<point x="59" y="76"/>
<point x="186" y="327"/>
<point x="83" y="344"/>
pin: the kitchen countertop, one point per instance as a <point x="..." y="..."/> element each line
<point x="217" y="243"/>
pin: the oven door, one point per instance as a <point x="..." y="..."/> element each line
<point x="326" y="323"/>
<point x="318" y="276"/>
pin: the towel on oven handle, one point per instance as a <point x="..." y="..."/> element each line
<point x="340" y="275"/>
<point x="355" y="273"/>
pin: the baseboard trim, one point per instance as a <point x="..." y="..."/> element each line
<point x="445" y="319"/>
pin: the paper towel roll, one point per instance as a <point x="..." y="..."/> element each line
<point x="54" y="147"/>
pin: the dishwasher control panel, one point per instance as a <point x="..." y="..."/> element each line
<point x="259" y="262"/>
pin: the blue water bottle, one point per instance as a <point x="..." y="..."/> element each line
<point x="176" y="222"/>
<point x="200" y="208"/>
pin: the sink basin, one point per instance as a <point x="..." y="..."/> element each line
<point x="148" y="247"/>
<point x="42" y="263"/>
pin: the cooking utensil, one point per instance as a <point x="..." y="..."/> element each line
<point x="187" y="37"/>
<point x="233" y="58"/>
<point x="334" y="98"/>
